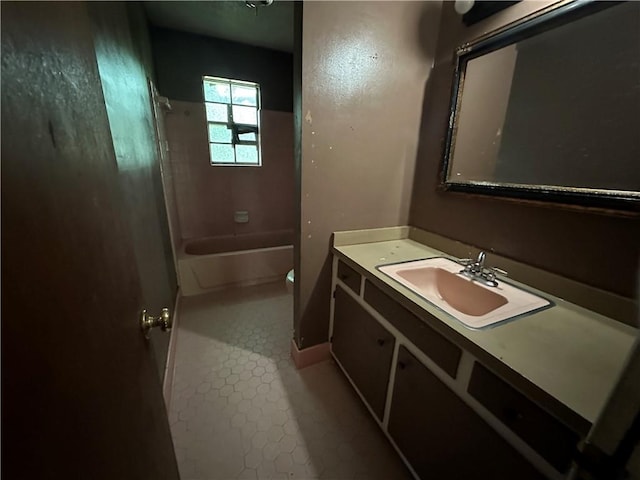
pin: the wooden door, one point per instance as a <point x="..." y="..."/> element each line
<point x="123" y="66"/>
<point x="80" y="395"/>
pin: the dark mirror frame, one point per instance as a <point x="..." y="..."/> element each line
<point x="538" y="22"/>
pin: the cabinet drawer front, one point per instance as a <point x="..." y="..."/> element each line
<point x="442" y="437"/>
<point x="364" y="349"/>
<point x="349" y="277"/>
<point x="444" y="353"/>
<point x="549" y="437"/>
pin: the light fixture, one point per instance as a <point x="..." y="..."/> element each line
<point x="259" y="3"/>
<point x="463" y="6"/>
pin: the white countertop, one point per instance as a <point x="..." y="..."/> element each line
<point x="573" y="354"/>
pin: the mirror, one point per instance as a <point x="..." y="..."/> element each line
<point x="548" y="108"/>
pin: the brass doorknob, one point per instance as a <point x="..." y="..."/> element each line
<point x="147" y="322"/>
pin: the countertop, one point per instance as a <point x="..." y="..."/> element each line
<point x="571" y="353"/>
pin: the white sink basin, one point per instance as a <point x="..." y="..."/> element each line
<point x="437" y="280"/>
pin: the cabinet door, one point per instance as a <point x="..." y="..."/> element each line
<point x="441" y="436"/>
<point x="364" y="349"/>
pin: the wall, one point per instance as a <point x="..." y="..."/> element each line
<point x="123" y="63"/>
<point x="207" y="196"/>
<point x="181" y="59"/>
<point x="364" y="68"/>
<point x="591" y="247"/>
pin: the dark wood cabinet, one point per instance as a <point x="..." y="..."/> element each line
<point x="444" y="353"/>
<point x="349" y="277"/>
<point x="364" y="348"/>
<point x="550" y="438"/>
<point x="441" y="436"/>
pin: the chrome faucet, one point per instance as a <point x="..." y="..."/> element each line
<point x="476" y="271"/>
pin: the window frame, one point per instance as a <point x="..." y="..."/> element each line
<point x="230" y="124"/>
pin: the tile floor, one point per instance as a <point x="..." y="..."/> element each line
<point x="241" y="410"/>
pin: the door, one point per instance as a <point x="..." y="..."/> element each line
<point x="118" y="38"/>
<point x="80" y="394"/>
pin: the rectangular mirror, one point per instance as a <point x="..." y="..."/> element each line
<point x="548" y="108"/>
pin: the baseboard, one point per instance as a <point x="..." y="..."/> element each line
<point x="167" y="384"/>
<point x="309" y="356"/>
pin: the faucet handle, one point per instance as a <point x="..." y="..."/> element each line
<point x="499" y="271"/>
<point x="465" y="261"/>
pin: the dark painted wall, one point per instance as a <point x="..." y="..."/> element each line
<point x="123" y="57"/>
<point x="181" y="59"/>
<point x="592" y="247"/>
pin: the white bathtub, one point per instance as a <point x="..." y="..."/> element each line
<point x="211" y="263"/>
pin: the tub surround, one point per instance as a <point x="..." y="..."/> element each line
<point x="207" y="196"/>
<point x="538" y="382"/>
<point x="572" y="354"/>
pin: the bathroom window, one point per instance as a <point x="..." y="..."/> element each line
<point x="233" y="121"/>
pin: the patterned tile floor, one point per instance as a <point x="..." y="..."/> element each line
<point x="241" y="410"/>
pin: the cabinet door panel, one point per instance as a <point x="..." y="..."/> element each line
<point x="349" y="277"/>
<point x="550" y="438"/>
<point x="433" y="344"/>
<point x="441" y="436"/>
<point x="364" y="349"/>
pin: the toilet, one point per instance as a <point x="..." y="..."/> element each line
<point x="290" y="280"/>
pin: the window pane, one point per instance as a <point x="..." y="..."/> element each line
<point x="216" y="92"/>
<point x="246" y="115"/>
<point x="247" y="137"/>
<point x="216" y="112"/>
<point x="244" y="95"/>
<point x="247" y="154"/>
<point x="219" y="133"/>
<point x="221" y="153"/>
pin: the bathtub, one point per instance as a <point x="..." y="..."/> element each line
<point x="207" y="264"/>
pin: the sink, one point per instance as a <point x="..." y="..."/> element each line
<point x="437" y="280"/>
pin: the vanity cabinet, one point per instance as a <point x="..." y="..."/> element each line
<point x="442" y="437"/>
<point x="449" y="414"/>
<point x="364" y="349"/>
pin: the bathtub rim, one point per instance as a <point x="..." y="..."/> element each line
<point x="190" y="282"/>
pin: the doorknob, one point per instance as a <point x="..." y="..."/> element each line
<point x="147" y="322"/>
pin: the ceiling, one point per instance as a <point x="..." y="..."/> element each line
<point x="264" y="26"/>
